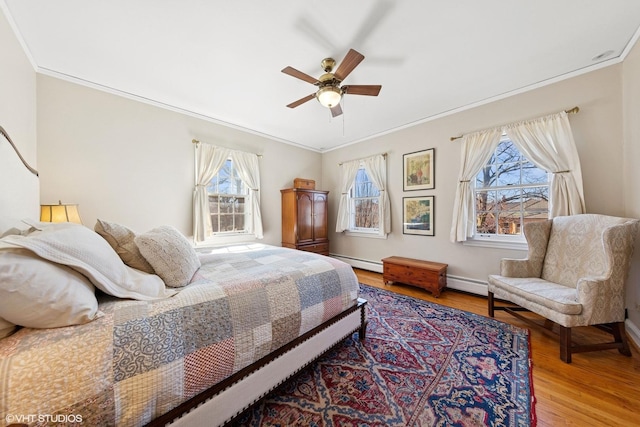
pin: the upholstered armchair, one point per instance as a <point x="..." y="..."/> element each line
<point x="574" y="275"/>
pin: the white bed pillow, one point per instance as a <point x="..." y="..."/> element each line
<point x="40" y="294"/>
<point x="170" y="254"/>
<point x="85" y="251"/>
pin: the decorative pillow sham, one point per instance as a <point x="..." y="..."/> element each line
<point x="121" y="240"/>
<point x="85" y="251"/>
<point x="40" y="294"/>
<point x="170" y="254"/>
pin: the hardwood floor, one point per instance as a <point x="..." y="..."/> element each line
<point x="597" y="389"/>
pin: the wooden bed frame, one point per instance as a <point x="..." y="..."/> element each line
<point x="19" y="199"/>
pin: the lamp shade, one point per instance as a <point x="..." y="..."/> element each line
<point x="60" y="213"/>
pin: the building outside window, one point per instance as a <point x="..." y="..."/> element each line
<point x="228" y="201"/>
<point x="364" y="204"/>
<point x="509" y="192"/>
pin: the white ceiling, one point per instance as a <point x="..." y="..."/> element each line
<point x="222" y="60"/>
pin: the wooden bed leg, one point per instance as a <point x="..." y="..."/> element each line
<point x="362" y="332"/>
<point x="490" y="301"/>
<point x="565" y="344"/>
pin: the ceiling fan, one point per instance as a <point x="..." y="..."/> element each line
<point x="329" y="92"/>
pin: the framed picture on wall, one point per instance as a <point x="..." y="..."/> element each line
<point x="419" y="170"/>
<point x="418" y="215"/>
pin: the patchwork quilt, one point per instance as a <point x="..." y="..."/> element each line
<point x="143" y="358"/>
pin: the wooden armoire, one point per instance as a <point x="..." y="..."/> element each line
<point x="304" y="220"/>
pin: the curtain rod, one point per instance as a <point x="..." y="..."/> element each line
<point x="24" y="162"/>
<point x="347" y="161"/>
<point x="195" y="141"/>
<point x="570" y="111"/>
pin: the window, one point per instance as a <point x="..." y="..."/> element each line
<point x="228" y="201"/>
<point x="509" y="192"/>
<point x="364" y="204"/>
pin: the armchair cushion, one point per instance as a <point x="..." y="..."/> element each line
<point x="555" y="297"/>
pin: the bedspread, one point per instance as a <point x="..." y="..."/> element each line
<point x="142" y="358"/>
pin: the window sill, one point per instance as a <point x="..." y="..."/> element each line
<point x="226" y="240"/>
<point x="365" y="234"/>
<point x="519" y="245"/>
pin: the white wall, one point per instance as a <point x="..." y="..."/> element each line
<point x="131" y="162"/>
<point x="598" y="131"/>
<point x="18" y="118"/>
<point x="631" y="114"/>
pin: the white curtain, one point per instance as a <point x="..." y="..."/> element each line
<point x="477" y="149"/>
<point x="249" y="172"/>
<point x="208" y="161"/>
<point x="548" y="143"/>
<point x="376" y="168"/>
<point x="348" y="172"/>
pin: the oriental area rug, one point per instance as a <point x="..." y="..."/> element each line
<point x="421" y="364"/>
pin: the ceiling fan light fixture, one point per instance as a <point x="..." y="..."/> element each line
<point x="329" y="96"/>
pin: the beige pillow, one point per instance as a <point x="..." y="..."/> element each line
<point x="85" y="251"/>
<point x="170" y="254"/>
<point x="121" y="240"/>
<point x="40" y="294"/>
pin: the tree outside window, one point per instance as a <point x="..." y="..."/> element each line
<point x="509" y="192"/>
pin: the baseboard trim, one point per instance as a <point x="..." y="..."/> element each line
<point x="375" y="266"/>
<point x="633" y="332"/>
<point x="464" y="284"/>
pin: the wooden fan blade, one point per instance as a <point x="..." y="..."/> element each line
<point x="350" y="61"/>
<point x="300" y="75"/>
<point x="302" y="100"/>
<point x="336" y="111"/>
<point x="370" y="90"/>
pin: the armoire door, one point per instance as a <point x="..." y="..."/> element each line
<point x="320" y="229"/>
<point x="305" y="217"/>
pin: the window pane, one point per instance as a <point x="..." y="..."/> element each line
<point x="239" y="222"/>
<point x="531" y="174"/>
<point x="486" y="177"/>
<point x="366" y="213"/>
<point x="239" y="205"/>
<point x="509" y="222"/>
<point x="509" y="200"/>
<point x="485" y="200"/>
<point x="485" y="222"/>
<point x="536" y="199"/>
<point x="214" y="223"/>
<point x="509" y="174"/>
<point x="506" y="152"/>
<point x="213" y="204"/>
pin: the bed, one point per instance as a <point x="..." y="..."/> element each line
<point x="141" y="352"/>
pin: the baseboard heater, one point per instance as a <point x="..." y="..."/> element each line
<point x="464" y="284"/>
